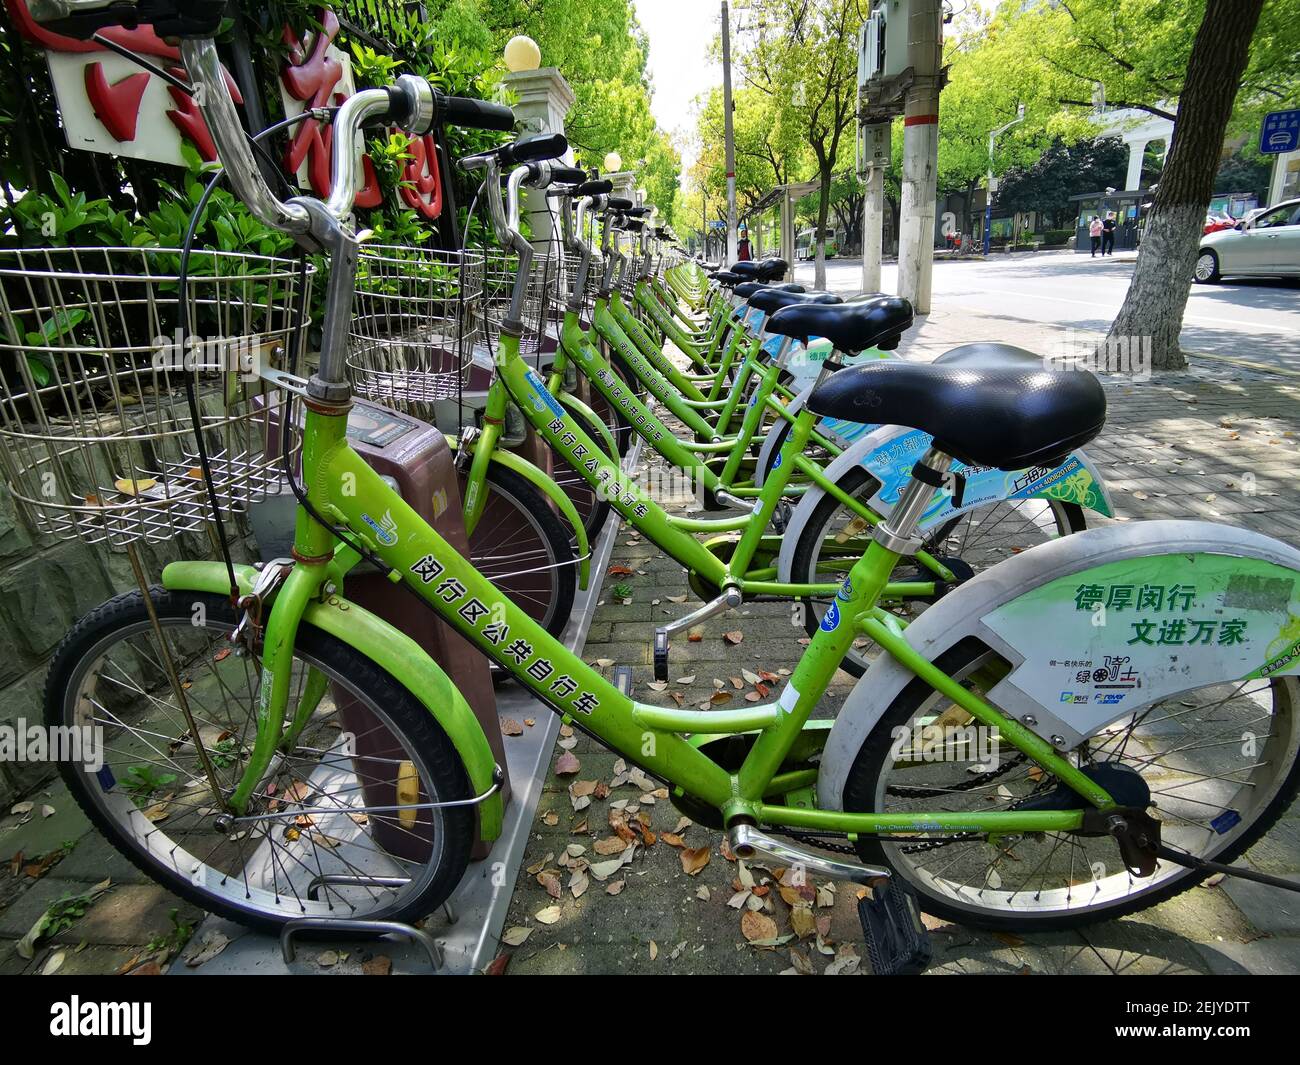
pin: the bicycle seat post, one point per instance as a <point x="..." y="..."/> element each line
<point x="897" y="532"/>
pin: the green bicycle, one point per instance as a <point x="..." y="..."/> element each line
<point x="1171" y="639"/>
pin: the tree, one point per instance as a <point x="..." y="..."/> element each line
<point x="1062" y="171"/>
<point x="766" y="153"/>
<point x="1139" y="51"/>
<point x="1157" y="295"/>
<point x="1245" y="170"/>
<point x="601" y="50"/>
<point x="805" y="59"/>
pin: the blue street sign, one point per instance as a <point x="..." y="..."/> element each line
<point x="1280" y="132"/>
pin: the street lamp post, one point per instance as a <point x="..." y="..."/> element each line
<point x="988" y="195"/>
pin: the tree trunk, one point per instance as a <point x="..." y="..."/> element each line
<point x="823" y="208"/>
<point x="1157" y="296"/>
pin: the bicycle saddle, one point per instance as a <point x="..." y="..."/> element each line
<point x="748" y="288"/>
<point x="987" y="354"/>
<point x="763" y="270"/>
<point x="986" y="408"/>
<point x="727" y="278"/>
<point x="773" y="299"/>
<point x="851" y="327"/>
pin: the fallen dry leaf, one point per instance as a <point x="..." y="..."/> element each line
<point x="757" y="926"/>
<point x="694" y="859"/>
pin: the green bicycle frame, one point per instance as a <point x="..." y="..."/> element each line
<point x="345" y="489"/>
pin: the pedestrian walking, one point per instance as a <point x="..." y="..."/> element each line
<point x="1094" y="231"/>
<point x="742" y="246"/>
<point x="1108" y="234"/>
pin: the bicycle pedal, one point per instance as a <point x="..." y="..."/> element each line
<point x="897" y="942"/>
<point x="622" y="679"/>
<point x="661" y="654"/>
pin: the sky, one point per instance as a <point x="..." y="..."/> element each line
<point x="680" y="32"/>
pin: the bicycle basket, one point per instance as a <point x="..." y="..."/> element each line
<point x="96" y="438"/>
<point x="542" y="297"/>
<point x="416" y="325"/>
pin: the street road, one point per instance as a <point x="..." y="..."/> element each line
<point x="1257" y="320"/>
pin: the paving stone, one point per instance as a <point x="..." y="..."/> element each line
<point x="130" y="914"/>
<point x="94" y="858"/>
<point x="36" y="834"/>
<point x="17" y="920"/>
<point x="1266" y="956"/>
<point x="1269" y="909"/>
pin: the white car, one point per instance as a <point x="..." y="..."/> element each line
<point x="1267" y="245"/>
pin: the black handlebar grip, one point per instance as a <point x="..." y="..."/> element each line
<point x="638" y="212"/>
<point x="534" y="149"/>
<point x="475" y="114"/>
<point x="594" y="188"/>
<point x="618" y="203"/>
<point x="567" y="175"/>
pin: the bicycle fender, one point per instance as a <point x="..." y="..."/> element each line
<point x="1076" y="668"/>
<point x="889" y="451"/>
<point x="395" y="652"/>
<point x="556" y="495"/>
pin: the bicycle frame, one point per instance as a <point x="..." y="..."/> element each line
<point x="346" y="489"/>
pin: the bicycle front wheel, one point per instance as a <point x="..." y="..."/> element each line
<point x="523" y="547"/>
<point x="321" y="836"/>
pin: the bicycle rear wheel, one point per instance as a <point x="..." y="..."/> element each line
<point x="313" y="843"/>
<point x="1221" y="763"/>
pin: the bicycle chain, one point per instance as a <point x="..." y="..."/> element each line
<point x="973" y="782"/>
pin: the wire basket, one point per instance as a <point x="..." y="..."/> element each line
<point x="416" y="324"/>
<point x="570" y="274"/>
<point x="96" y="438"/>
<point x="627" y="283"/>
<point x="543" y="299"/>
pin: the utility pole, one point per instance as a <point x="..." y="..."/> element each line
<point x="727" y="136"/>
<point x="920" y="153"/>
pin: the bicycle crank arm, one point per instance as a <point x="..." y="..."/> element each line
<point x="746" y="841"/>
<point x="735" y="502"/>
<point x="728" y="600"/>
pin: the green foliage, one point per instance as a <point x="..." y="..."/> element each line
<point x="600" y="48"/>
<point x="72" y="197"/>
<point x="175" y="938"/>
<point x="1245" y="170"/>
<point x="143" y="780"/>
<point x="1062" y="171"/>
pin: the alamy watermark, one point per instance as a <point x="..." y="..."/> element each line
<point x="934" y="742"/>
<point x="82" y="744"/>
<point x="198" y="353"/>
<point x="1127" y="356"/>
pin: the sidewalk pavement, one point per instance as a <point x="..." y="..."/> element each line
<point x="1180" y="445"/>
<point x="1177" y="445"/>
